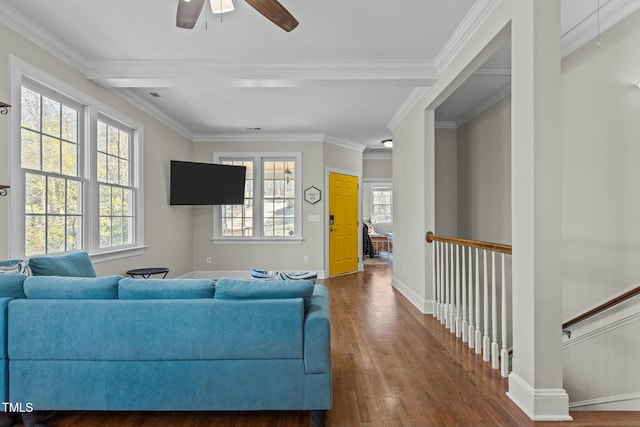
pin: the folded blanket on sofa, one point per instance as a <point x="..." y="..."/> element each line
<point x="281" y="275"/>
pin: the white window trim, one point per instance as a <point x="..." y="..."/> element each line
<point x="257" y="196"/>
<point x="19" y="69"/>
<point x="378" y="186"/>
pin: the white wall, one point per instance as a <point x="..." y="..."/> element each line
<point x="446" y="182"/>
<point x="601" y="177"/>
<point x="484" y="175"/>
<point x="167" y="230"/>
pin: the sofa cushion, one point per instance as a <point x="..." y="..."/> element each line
<point x="165" y="288"/>
<point x="74" y="264"/>
<point x="59" y="287"/>
<point x="11" y="285"/>
<point x="238" y="289"/>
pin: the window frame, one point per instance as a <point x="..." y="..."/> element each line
<point x="258" y="198"/>
<point x="378" y="186"/>
<point x="23" y="73"/>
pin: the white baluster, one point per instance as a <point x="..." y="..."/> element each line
<point x="465" y="326"/>
<point x="434" y="255"/>
<point x="504" y="353"/>
<point x="495" y="348"/>
<point x="458" y="334"/>
<point x="471" y="326"/>
<point x="478" y="339"/>
<point x="486" y="342"/>
<point x="445" y="319"/>
<point x="452" y="294"/>
<point x="441" y="283"/>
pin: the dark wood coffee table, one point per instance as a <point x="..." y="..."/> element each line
<point x="147" y="272"/>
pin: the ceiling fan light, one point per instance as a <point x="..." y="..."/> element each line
<point x="388" y="143"/>
<point x="221" y="6"/>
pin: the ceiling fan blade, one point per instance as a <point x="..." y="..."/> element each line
<point x="188" y="13"/>
<point x="275" y="12"/>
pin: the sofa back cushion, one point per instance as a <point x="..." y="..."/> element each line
<point x="10" y="262"/>
<point x="11" y="285"/>
<point x="59" y="287"/>
<point x="243" y="289"/>
<point x="165" y="288"/>
<point x="74" y="264"/>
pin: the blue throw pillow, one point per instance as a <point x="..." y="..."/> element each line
<point x="58" y="287"/>
<point x="74" y="264"/>
<point x="165" y="288"/>
<point x="11" y="285"/>
<point x="234" y="289"/>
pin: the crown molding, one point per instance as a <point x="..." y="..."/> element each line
<point x="497" y="97"/>
<point x="465" y="30"/>
<point x="345" y="144"/>
<point x="410" y="102"/>
<point x="377" y="154"/>
<point x="611" y="13"/>
<point x="33" y="32"/>
<point x="444" y="124"/>
<point x="153" y="111"/>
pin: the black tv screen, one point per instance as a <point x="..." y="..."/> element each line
<point x="206" y="184"/>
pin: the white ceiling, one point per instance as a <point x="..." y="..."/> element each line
<point x="344" y="72"/>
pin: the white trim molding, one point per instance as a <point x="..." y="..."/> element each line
<point x="423" y="305"/>
<point x="543" y="404"/>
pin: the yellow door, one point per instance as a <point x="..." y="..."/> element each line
<point x="343" y="224"/>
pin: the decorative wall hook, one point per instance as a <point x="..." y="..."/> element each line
<point x="4" y="108"/>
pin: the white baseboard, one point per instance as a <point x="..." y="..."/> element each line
<point x="547" y="404"/>
<point x="625" y="402"/>
<point x="425" y="306"/>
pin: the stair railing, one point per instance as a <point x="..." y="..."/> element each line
<point x="467" y="305"/>
<point x="612" y="302"/>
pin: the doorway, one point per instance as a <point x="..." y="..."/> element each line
<point x="343" y="224"/>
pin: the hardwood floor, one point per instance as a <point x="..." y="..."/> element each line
<point x="392" y="366"/>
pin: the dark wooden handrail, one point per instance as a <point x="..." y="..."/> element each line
<point x="602" y="307"/>
<point x="496" y="247"/>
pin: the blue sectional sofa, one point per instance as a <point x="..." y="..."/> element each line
<point x="114" y="343"/>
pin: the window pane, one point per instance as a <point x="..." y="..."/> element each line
<point x="123" y="167"/>
<point x="105" y="200"/>
<point x="101" y="167"/>
<point x="69" y="124"/>
<point x="35" y="236"/>
<point x="55" y="234"/>
<point x="74" y="199"/>
<point x="30" y="109"/>
<point x="112" y="170"/>
<point x="116" y="231"/>
<point x="35" y="187"/>
<point x="30" y="150"/>
<point x="124" y="145"/>
<point x="69" y="159"/>
<point x="102" y="137"/>
<point x="50" y="117"/>
<point x="50" y="154"/>
<point x="105" y="232"/>
<point x="74" y="232"/>
<point x="116" y="201"/>
<point x="112" y="141"/>
<point x="55" y="196"/>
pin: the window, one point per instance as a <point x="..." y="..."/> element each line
<point x="381" y="204"/>
<point x="78" y="175"/>
<point x="50" y="149"/>
<point x="272" y="208"/>
<point x="115" y="191"/>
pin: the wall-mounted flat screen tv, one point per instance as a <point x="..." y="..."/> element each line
<point x="195" y="183"/>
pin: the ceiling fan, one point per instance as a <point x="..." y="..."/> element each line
<point x="189" y="11"/>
